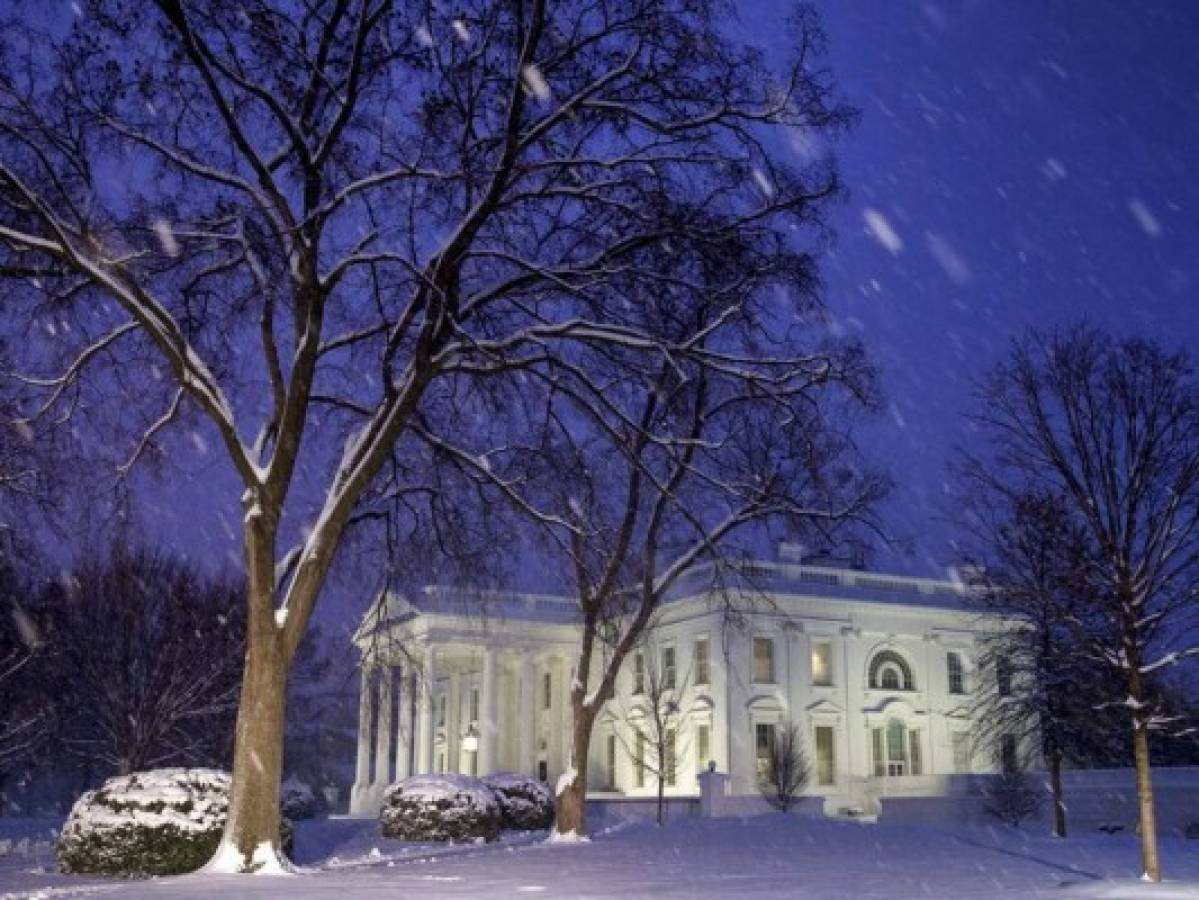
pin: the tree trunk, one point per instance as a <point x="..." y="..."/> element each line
<point x="252" y="829"/>
<point x="1059" y="800"/>
<point x="661" y="798"/>
<point x="1148" y="822"/>
<point x="571" y="817"/>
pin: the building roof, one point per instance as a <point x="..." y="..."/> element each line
<point x="744" y="577"/>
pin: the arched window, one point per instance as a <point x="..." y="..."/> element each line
<point x="953" y="669"/>
<point x="890" y="671"/>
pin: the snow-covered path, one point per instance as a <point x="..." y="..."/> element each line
<point x="770" y="856"/>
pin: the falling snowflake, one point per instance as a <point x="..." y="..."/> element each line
<point x="461" y="31"/>
<point x="424" y="37"/>
<point x="877" y="225"/>
<point x="535" y="82"/>
<point x="947" y="258"/>
<point x="763" y="182"/>
<point x="1146" y="219"/>
<point x="166" y="237"/>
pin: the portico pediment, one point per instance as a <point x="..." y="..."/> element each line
<point x="891" y="707"/>
<point x="824" y="707"/>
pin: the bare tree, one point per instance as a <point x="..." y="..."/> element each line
<point x="788" y="770"/>
<point x="656" y="717"/>
<point x="24" y="716"/>
<point x="144" y="663"/>
<point x="307" y="226"/>
<point x="1029" y="574"/>
<point x="1112" y="428"/>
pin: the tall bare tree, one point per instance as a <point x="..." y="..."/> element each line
<point x="306" y="224"/>
<point x="1112" y="428"/>
<point x="1029" y="569"/>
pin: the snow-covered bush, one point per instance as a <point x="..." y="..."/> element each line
<point x="298" y="801"/>
<point x="440" y="808"/>
<point x="525" y="803"/>
<point x="160" y="822"/>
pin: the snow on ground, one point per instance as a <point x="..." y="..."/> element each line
<point x="766" y="856"/>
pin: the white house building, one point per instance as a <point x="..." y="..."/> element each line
<point x="877" y="671"/>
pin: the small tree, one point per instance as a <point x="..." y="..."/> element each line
<point x="1012" y="797"/>
<point x="788" y="769"/>
<point x="658" y="717"/>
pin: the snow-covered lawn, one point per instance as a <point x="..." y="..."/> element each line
<point x="768" y="856"/>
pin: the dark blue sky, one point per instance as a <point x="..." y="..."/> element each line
<point x="1038" y="161"/>
<point x="1016" y="164"/>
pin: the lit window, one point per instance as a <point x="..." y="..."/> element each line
<point x="702" y="670"/>
<point x="638" y="673"/>
<point x="703" y="745"/>
<point x="822" y="663"/>
<point x="764" y="749"/>
<point x="954" y="673"/>
<point x="668" y="668"/>
<point x="763" y="660"/>
<point x="826" y="759"/>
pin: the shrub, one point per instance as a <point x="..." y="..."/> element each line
<point x="526" y="804"/>
<point x="1012" y="797"/>
<point x="161" y="822"/>
<point x="440" y="808"/>
<point x="298" y="801"/>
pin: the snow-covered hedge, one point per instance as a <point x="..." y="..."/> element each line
<point x="440" y="808"/>
<point x="526" y="804"/>
<point x="298" y="801"/>
<point x="161" y="822"/>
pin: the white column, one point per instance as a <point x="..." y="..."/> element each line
<point x="384" y="729"/>
<point x="488" y="715"/>
<point x="403" y="762"/>
<point x="566" y="718"/>
<point x="453" y="725"/>
<point x="362" y="773"/>
<point x="428" y="677"/>
<point x="528" y="715"/>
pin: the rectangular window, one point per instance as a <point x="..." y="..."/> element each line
<point x="610" y="758"/>
<point x="703" y="673"/>
<point x="961" y="751"/>
<point x="441" y="711"/>
<point x="822" y="663"/>
<point x="1003" y="676"/>
<point x="914" y="745"/>
<point x="880" y="758"/>
<point x="954" y="674"/>
<point x="639" y="760"/>
<point x="670" y="763"/>
<point x="826" y="758"/>
<point x="638" y="673"/>
<point x="474" y="704"/>
<point x="763" y="660"/>
<point x="668" y="668"/>
<point x="472" y="762"/>
<point x="764" y="749"/>
<point x="703" y="746"/>
<point x="547" y="690"/>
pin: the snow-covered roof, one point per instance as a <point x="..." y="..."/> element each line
<point x="773" y="579"/>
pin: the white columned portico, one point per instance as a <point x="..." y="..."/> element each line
<point x="528" y="715"/>
<point x="488" y="715"/>
<point x="428" y="677"/>
<point x="383" y="729"/>
<point x="453" y="724"/>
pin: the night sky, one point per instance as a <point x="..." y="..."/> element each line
<point x="1015" y="164"/>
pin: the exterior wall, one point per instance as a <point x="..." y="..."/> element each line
<point x="531" y="724"/>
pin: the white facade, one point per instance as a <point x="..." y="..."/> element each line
<point x="876" y="671"/>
